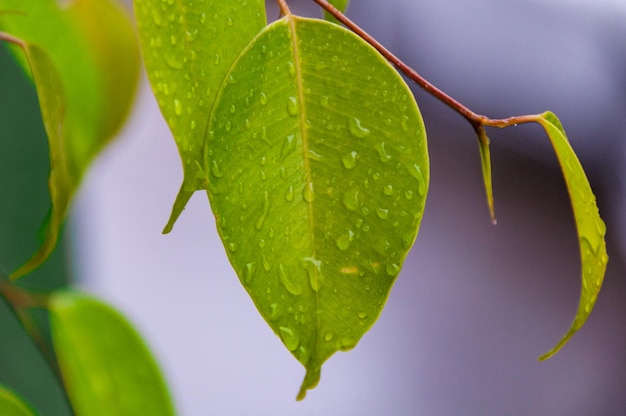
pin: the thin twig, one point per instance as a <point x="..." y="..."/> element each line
<point x="284" y="9"/>
<point x="476" y="120"/>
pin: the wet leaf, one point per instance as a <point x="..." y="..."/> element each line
<point x="340" y="5"/>
<point x="318" y="178"/>
<point x="187" y="50"/>
<point x="107" y="369"/>
<point x="591" y="229"/>
<point x="84" y="61"/>
<point x="13" y="405"/>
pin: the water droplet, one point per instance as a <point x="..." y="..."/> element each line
<point x="233" y="109"/>
<point x="345" y="240"/>
<point x="289" y="282"/>
<point x="289" y="194"/>
<point x="308" y="194"/>
<point x="329" y="336"/>
<point x="293" y="107"/>
<point x="356" y="129"/>
<point x="215" y="170"/>
<point x="229" y="21"/>
<point x="350" y="199"/>
<point x="416" y="172"/>
<point x="311" y="154"/>
<point x="408" y="195"/>
<point x="314" y="270"/>
<point x="382" y="153"/>
<point x="190" y="36"/>
<point x="392" y="269"/>
<point x="362" y="315"/>
<point x="382" y="213"/>
<point x="228" y="126"/>
<point x="349" y="160"/>
<point x="264" y="211"/>
<point x="292" y="68"/>
<point x="289" y="146"/>
<point x="263" y="98"/>
<point x="178" y="107"/>
<point x="203" y="18"/>
<point x="324" y="101"/>
<point x="192" y="124"/>
<point x="250" y="269"/>
<point x="232" y="247"/>
<point x="289" y="338"/>
<point x="266" y="264"/>
<point x="388" y="190"/>
<point x="274" y="312"/>
<point x="600" y="226"/>
<point x="405" y="123"/>
<point x="346" y="344"/>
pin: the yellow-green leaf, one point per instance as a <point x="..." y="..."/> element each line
<point x="86" y="54"/>
<point x="591" y="229"/>
<point x="187" y="49"/>
<point x="485" y="161"/>
<point x="318" y="179"/>
<point x="13" y="405"/>
<point x="107" y="369"/>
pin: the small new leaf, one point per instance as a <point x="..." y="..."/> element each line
<point x="590" y="227"/>
<point x="106" y="367"/>
<point x="485" y="159"/>
<point x="318" y="178"/>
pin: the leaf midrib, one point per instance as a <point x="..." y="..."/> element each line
<point x="292" y="20"/>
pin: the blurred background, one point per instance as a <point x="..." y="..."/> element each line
<point x="474" y="306"/>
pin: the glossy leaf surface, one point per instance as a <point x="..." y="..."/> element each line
<point x="591" y="229"/>
<point x="318" y="178"/>
<point x="340" y="5"/>
<point x="107" y="369"/>
<point x="187" y="49"/>
<point x="12" y="405"/>
<point x="87" y="57"/>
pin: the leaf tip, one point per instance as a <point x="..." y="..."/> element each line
<point x="311" y="379"/>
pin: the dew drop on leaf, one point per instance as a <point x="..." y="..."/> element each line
<point x="350" y="199"/>
<point x="308" y="194"/>
<point x="356" y="129"/>
<point x="263" y="98"/>
<point x="293" y="107"/>
<point x="288" y="281"/>
<point x="344" y="240"/>
<point x="289" y="338"/>
<point x="349" y="160"/>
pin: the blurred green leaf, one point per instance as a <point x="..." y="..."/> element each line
<point x="318" y="178"/>
<point x="87" y="51"/>
<point x="188" y="49"/>
<point x="340" y="5"/>
<point x="591" y="229"/>
<point x="12" y="405"/>
<point x="106" y="366"/>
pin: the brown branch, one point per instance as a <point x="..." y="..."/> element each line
<point x="476" y="120"/>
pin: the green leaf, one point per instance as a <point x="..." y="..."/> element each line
<point x="319" y="174"/>
<point x="187" y="50"/>
<point x="12" y="405"/>
<point x="107" y="369"/>
<point x="340" y="5"/>
<point x="591" y="229"/>
<point x="85" y="78"/>
<point x="485" y="161"/>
